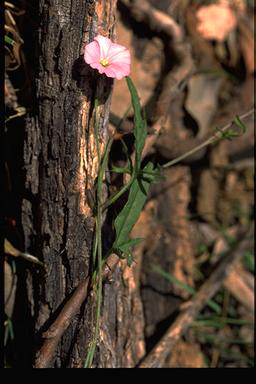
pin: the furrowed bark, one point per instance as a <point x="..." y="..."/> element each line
<point x="60" y="165"/>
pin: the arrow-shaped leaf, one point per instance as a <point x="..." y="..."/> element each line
<point x="131" y="211"/>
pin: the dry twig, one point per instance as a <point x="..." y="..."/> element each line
<point x="159" y="22"/>
<point x="240" y="284"/>
<point x="52" y="336"/>
<point x="156" y="358"/>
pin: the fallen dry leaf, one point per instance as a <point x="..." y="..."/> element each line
<point x="215" y="21"/>
<point x="186" y="355"/>
<point x="239" y="5"/>
<point x="202" y="99"/>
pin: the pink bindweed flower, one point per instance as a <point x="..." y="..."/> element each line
<point x="112" y="59"/>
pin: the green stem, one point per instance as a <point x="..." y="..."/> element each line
<point x="96" y="129"/>
<point x="123" y="117"/>
<point x="116" y="196"/>
<point x="99" y="287"/>
<point x="98" y="246"/>
<point x="187" y="154"/>
<point x="95" y="245"/>
<point x="217" y="135"/>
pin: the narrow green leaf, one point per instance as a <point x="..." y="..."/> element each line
<point x="128" y="244"/>
<point x="212" y="304"/>
<point x="124" y="250"/>
<point x="120" y="170"/>
<point x="126" y="151"/>
<point x="240" y="124"/>
<point x="249" y="262"/>
<point x="129" y="258"/>
<point x="155" y="176"/>
<point x="8" y="40"/>
<point x="130" y="213"/>
<point x="140" y="129"/>
<point x="173" y="279"/>
<point x="209" y="323"/>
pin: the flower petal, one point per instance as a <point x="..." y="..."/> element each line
<point x="95" y="65"/>
<point x="117" y="54"/>
<point x="99" y="67"/>
<point x="104" y="45"/>
<point x="119" y="70"/>
<point x="109" y="72"/>
<point x="118" y="57"/>
<point x="92" y="53"/>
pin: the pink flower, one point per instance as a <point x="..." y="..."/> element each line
<point x="112" y="59"/>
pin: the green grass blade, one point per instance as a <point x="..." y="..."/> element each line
<point x="212" y="304"/>
<point x="8" y="40"/>
<point x="125" y="247"/>
<point x="240" y="124"/>
<point x="249" y="262"/>
<point x="120" y="170"/>
<point x="173" y="279"/>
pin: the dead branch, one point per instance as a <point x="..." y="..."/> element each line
<point x="168" y="146"/>
<point x="240" y="284"/>
<point x="52" y="336"/>
<point x="159" y="22"/>
<point x="170" y="89"/>
<point x="56" y="330"/>
<point x="156" y="358"/>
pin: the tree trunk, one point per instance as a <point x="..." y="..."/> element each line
<point x="60" y="165"/>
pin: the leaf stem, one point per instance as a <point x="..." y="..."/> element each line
<point x="116" y="196"/>
<point x="98" y="241"/>
<point x="216" y="136"/>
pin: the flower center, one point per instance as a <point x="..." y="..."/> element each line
<point x="104" y="62"/>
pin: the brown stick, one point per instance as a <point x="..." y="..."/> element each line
<point x="169" y="90"/>
<point x="240" y="284"/>
<point x="56" y="330"/>
<point x="158" y="21"/>
<point x="160" y="352"/>
<point x="53" y="335"/>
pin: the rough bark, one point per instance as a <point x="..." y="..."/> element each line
<point x="60" y="164"/>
